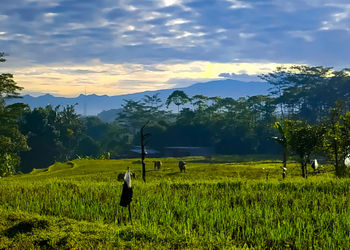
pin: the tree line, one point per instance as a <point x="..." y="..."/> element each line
<point x="309" y="104"/>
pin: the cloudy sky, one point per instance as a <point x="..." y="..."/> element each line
<point x="114" y="47"/>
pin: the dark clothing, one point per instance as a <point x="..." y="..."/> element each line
<point x="126" y="197"/>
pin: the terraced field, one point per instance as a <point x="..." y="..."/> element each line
<point x="219" y="202"/>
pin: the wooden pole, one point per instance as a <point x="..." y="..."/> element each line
<point x="130" y="214"/>
<point x="143" y="152"/>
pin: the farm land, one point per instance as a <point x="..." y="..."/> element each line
<point x="218" y="203"/>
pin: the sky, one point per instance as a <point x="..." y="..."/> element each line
<point x="68" y="47"/>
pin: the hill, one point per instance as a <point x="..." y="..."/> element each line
<point x="95" y="104"/>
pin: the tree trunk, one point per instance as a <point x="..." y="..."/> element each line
<point x="302" y="170"/>
<point x="336" y="158"/>
<point x="284" y="157"/>
<point x="143" y="154"/>
<point x="305" y="166"/>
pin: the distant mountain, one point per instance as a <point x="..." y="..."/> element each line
<point x="228" y="88"/>
<point x="95" y="104"/>
<point x="109" y="115"/>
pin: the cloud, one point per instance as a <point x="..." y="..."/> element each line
<point x="236" y="4"/>
<point x="306" y="36"/>
<point x="240" y="77"/>
<point x="178" y="21"/>
<point x="185" y="82"/>
<point x="338" y="20"/>
<point x="81" y="72"/>
<point x="152" y="33"/>
<point x="167" y="3"/>
<point x="71" y="79"/>
<point x="158" y="31"/>
<point x="246" y="35"/>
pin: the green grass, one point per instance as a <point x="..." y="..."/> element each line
<point x="215" y="204"/>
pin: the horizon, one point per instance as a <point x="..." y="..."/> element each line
<point x="93" y="104"/>
<point x="94" y="94"/>
<point x="116" y="48"/>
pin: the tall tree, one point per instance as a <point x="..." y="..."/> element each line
<point x="303" y="139"/>
<point x="337" y="142"/>
<point x="53" y="135"/>
<point x="153" y="102"/>
<point x="69" y="126"/>
<point x="306" y="92"/>
<point x="133" y="115"/>
<point x="153" y="108"/>
<point x="279" y="79"/>
<point x="178" y="97"/>
<point x="12" y="141"/>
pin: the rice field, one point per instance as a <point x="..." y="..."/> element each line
<point x="218" y="203"/>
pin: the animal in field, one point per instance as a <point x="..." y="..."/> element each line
<point x="157" y="164"/>
<point x="347" y="160"/>
<point x="314" y="165"/>
<point x="182" y="166"/>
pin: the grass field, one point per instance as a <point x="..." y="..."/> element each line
<point x="219" y="203"/>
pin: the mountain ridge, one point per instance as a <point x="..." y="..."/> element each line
<point x="94" y="104"/>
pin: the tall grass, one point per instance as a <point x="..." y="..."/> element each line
<point x="210" y="206"/>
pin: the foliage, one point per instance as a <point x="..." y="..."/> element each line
<point x="282" y="140"/>
<point x="12" y="142"/>
<point x="59" y="134"/>
<point x="133" y="115"/>
<point x="304" y="140"/>
<point x="103" y="137"/>
<point x="229" y="126"/>
<point x="105" y="156"/>
<point x="53" y="135"/>
<point x="337" y="142"/>
<point x="306" y="92"/>
<point x="8" y="87"/>
<point x="8" y="162"/>
<point x="283" y="135"/>
<point x="137" y="113"/>
<point x="153" y="103"/>
<point x="87" y="146"/>
<point x="178" y="97"/>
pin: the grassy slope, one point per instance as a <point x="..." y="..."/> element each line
<point x="214" y="204"/>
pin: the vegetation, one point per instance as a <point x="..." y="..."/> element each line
<point x="309" y="104"/>
<point x="178" y="97"/>
<point x="220" y="202"/>
<point x="215" y="204"/>
<point x="12" y="141"/>
<point x="304" y="140"/>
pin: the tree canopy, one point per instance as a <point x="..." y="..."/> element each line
<point x="12" y="141"/>
<point x="308" y="106"/>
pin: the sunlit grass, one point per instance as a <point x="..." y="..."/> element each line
<point x="215" y="204"/>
